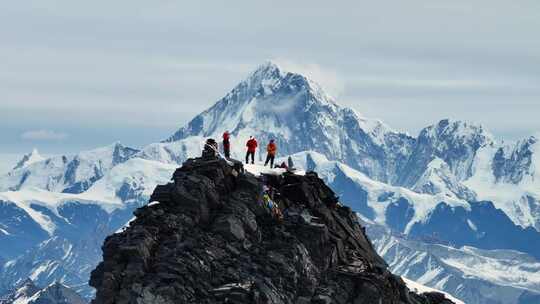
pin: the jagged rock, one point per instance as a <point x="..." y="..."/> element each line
<point x="212" y="240"/>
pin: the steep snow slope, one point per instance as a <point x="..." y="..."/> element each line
<point x="473" y="275"/>
<point x="463" y="160"/>
<point x="510" y="177"/>
<point x="419" y="288"/>
<point x="454" y="142"/>
<point x="173" y="152"/>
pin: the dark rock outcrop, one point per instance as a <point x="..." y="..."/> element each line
<point x="211" y="239"/>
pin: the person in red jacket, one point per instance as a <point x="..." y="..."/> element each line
<point x="226" y="145"/>
<point x="251" y="148"/>
<point x="271" y="149"/>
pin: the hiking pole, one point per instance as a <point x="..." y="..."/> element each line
<point x="219" y="153"/>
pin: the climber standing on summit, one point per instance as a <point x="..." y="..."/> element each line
<point x="271" y="149"/>
<point x="251" y="148"/>
<point x="226" y="145"/>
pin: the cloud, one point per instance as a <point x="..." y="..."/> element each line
<point x="42" y="134"/>
<point x="327" y="78"/>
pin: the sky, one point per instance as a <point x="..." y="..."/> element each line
<point x="77" y="75"/>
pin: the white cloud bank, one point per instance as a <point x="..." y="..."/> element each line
<point x="44" y="135"/>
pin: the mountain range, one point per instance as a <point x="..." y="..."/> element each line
<point x="454" y="188"/>
<point x="30" y="293"/>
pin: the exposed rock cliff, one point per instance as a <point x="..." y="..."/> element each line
<point x="212" y="239"/>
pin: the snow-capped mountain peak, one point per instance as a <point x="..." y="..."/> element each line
<point x="270" y="76"/>
<point x="265" y="73"/>
<point x="459" y="132"/>
<point x="272" y="103"/>
<point x="269" y="95"/>
<point x="513" y="162"/>
<point x="28" y="159"/>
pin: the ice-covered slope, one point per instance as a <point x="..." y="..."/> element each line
<point x="473" y="275"/>
<point x="509" y="175"/>
<point x="173" y="152"/>
<point x="69" y="174"/>
<point x="419" y="288"/>
<point x="463" y="160"/>
<point x="454" y="142"/>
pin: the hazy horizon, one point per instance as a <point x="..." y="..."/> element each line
<point x="82" y="75"/>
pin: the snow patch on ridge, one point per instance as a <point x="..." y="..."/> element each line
<point x="4" y="231"/>
<point x="419" y="288"/>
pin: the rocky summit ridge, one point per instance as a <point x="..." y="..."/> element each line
<point x="209" y="237"/>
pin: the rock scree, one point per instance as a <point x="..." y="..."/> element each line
<point x="213" y="239"/>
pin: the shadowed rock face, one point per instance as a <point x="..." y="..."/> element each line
<point x="212" y="240"/>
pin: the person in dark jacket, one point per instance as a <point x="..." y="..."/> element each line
<point x="210" y="149"/>
<point x="251" y="148"/>
<point x="271" y="150"/>
<point x="226" y="145"/>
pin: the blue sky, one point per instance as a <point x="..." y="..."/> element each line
<point x="81" y="75"/>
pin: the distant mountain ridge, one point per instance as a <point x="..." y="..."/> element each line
<point x="392" y="178"/>
<point x="459" y="159"/>
<point x="29" y="293"/>
<point x="65" y="173"/>
<point x="473" y="275"/>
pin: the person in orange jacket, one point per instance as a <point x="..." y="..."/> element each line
<point x="272" y="150"/>
<point x="251" y="148"/>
